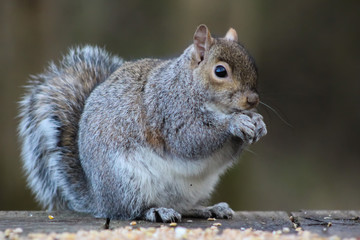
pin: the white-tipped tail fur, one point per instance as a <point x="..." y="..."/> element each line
<point x="50" y="112"/>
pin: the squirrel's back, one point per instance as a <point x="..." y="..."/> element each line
<point x="50" y="113"/>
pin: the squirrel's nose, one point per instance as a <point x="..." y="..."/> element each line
<point x="252" y="99"/>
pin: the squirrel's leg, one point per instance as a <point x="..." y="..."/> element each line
<point x="162" y="214"/>
<point x="220" y="210"/>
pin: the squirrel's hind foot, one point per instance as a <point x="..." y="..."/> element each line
<point x="220" y="210"/>
<point x="162" y="215"/>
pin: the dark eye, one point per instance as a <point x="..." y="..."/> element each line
<point x="220" y="71"/>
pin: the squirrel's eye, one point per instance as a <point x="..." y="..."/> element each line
<point x="220" y="71"/>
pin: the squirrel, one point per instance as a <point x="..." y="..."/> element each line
<point x="145" y="139"/>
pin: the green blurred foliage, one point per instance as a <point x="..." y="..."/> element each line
<point x="308" y="57"/>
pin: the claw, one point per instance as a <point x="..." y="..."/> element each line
<point x="162" y="215"/>
<point x="221" y="210"/>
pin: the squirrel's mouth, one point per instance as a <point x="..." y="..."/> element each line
<point x="236" y="110"/>
<point x="223" y="109"/>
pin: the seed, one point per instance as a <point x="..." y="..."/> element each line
<point x="286" y="229"/>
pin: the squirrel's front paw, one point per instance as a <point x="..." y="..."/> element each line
<point x="242" y="126"/>
<point x="260" y="127"/>
<point x="162" y="215"/>
<point x="249" y="126"/>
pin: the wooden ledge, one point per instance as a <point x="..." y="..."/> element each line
<point x="324" y="223"/>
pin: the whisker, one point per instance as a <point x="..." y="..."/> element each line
<point x="250" y="151"/>
<point x="277" y="114"/>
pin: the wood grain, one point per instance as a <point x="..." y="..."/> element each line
<point x="324" y="223"/>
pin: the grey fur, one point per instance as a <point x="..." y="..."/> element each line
<point x="145" y="139"/>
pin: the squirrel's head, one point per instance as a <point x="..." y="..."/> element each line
<point x="226" y="70"/>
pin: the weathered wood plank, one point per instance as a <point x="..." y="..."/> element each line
<point x="266" y="221"/>
<point x="38" y="221"/>
<point x="327" y="223"/>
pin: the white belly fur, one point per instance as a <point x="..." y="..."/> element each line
<point x="175" y="183"/>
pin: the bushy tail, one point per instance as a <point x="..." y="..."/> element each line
<point x="50" y="112"/>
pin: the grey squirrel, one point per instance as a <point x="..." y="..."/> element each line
<point x="145" y="139"/>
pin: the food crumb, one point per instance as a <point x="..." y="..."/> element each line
<point x="211" y="219"/>
<point x="180" y="232"/>
<point x="133" y="223"/>
<point x="217" y="224"/>
<point x="18" y="230"/>
<point x="167" y="233"/>
<point x="286" y="230"/>
<point x="7" y="232"/>
<point x="173" y="224"/>
<point x="278" y="232"/>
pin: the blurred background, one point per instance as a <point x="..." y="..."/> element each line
<point x="308" y="55"/>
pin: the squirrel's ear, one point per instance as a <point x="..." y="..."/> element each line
<point x="231" y="35"/>
<point x="202" y="42"/>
